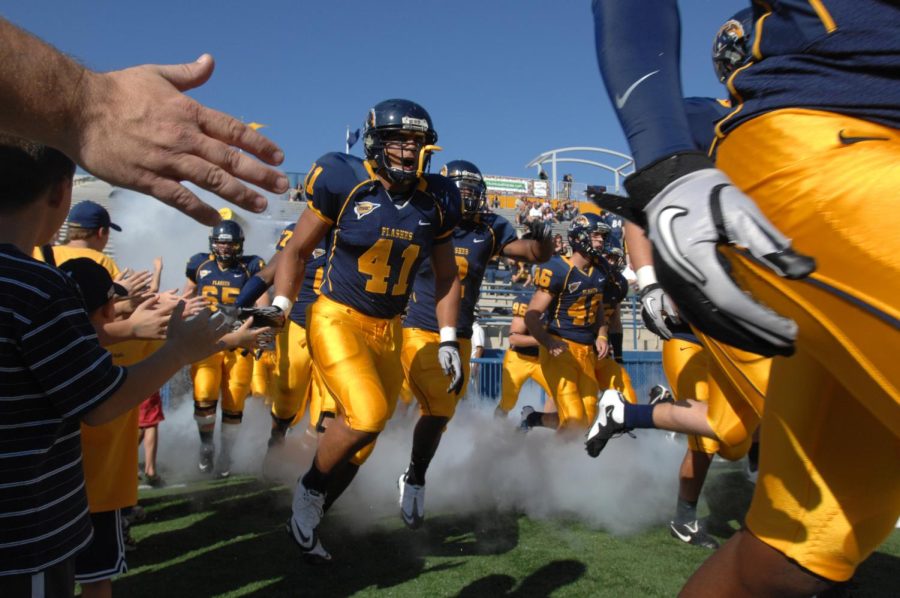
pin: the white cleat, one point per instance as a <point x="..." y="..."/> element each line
<point x="306" y="513"/>
<point x="412" y="502"/>
<point x="610" y="422"/>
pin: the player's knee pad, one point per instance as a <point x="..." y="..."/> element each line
<point x="205" y="414"/>
<point x="232" y="417"/>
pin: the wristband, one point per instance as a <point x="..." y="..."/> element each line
<point x="282" y="303"/>
<point x="603" y="338"/>
<point x="646" y="275"/>
<point x="448" y="334"/>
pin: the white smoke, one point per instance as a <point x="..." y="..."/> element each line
<point x="482" y="464"/>
<point x="151" y="228"/>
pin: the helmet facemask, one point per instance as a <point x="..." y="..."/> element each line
<point x="402" y="155"/>
<point x="474" y="195"/>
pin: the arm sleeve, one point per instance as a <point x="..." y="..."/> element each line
<point x="61" y="352"/>
<point x="638" y="51"/>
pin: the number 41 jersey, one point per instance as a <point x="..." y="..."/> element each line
<point x="376" y="243"/>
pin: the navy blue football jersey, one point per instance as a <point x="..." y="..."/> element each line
<point x="221" y="285"/>
<point x="376" y="243"/>
<point x="475" y="242"/>
<point x="575" y="313"/>
<point x="836" y="55"/>
<point x="703" y="114"/>
<point x="313" y="274"/>
<point x="519" y="308"/>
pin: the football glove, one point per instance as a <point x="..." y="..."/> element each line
<point x="539" y="231"/>
<point x="656" y="309"/>
<point x="263" y="317"/>
<point x="448" y="357"/>
<point x="690" y="210"/>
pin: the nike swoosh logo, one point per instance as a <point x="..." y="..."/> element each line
<point x="478" y="241"/>
<point x="681" y="536"/>
<point x="649" y="306"/>
<point x="851" y="140"/>
<point x="664" y="223"/>
<point x="621" y="100"/>
<point x="305" y="541"/>
<point x="423" y="223"/>
<point x="692" y="528"/>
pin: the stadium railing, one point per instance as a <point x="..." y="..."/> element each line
<point x="643" y="367"/>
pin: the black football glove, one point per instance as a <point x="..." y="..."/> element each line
<point x="539" y="231"/>
<point x="263" y="317"/>
<point x="690" y="208"/>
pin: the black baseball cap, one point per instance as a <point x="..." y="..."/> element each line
<point x="90" y="214"/>
<point x="94" y="282"/>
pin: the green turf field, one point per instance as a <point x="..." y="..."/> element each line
<point x="226" y="538"/>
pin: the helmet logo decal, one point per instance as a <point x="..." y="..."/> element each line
<point x="364" y="208"/>
<point x="416" y="124"/>
<point x="444" y="170"/>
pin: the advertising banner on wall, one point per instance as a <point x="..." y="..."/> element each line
<point x="507" y="185"/>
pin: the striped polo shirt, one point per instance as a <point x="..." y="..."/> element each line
<point x="52" y="371"/>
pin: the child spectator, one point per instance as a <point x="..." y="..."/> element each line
<point x="62" y="377"/>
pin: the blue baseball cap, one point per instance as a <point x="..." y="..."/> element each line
<point x="90" y="214"/>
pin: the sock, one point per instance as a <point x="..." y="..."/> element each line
<point x="415" y="473"/>
<point x="338" y="483"/>
<point x="315" y="479"/>
<point x="206" y="436"/>
<point x="616" y="341"/>
<point x="685" y="511"/>
<point x="753" y="456"/>
<point x="639" y="416"/>
<point x="280" y="426"/>
<point x="535" y="419"/>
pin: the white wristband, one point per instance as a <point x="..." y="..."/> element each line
<point x="448" y="334"/>
<point x="282" y="303"/>
<point x="646" y="276"/>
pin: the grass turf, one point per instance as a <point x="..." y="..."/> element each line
<point x="227" y="538"/>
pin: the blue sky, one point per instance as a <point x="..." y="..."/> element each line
<point x="504" y="80"/>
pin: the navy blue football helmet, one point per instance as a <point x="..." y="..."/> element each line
<point x="226" y="242"/>
<point x="470" y="183"/>
<point x="732" y="45"/>
<point x="392" y="121"/>
<point x="580" y="232"/>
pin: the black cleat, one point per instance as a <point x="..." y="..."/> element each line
<point x="691" y="533"/>
<point x="660" y="394"/>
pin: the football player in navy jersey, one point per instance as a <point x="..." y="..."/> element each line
<point x="479" y="237"/>
<point x="293" y="365"/>
<point x="383" y="217"/>
<point x="521" y="361"/>
<point x="807" y="159"/>
<point x="218" y="276"/>
<point x="571" y="291"/>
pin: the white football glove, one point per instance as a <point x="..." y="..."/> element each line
<point x="451" y="365"/>
<point x="656" y="308"/>
<point x="691" y="209"/>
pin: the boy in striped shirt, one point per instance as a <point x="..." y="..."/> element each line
<point x="54" y="375"/>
